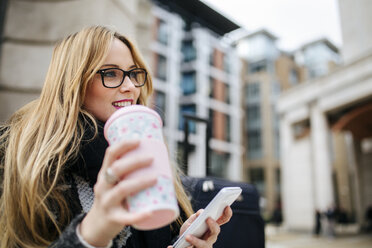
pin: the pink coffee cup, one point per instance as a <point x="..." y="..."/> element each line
<point x="140" y="122"/>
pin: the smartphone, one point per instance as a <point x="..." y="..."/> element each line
<point x="225" y="197"/>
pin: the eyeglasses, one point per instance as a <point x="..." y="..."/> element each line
<point x="114" y="77"/>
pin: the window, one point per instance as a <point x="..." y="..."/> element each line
<point x="257" y="178"/>
<point x="226" y="64"/>
<point x="211" y="57"/>
<point x="211" y="87"/>
<point x="253" y="89"/>
<point x="160" y="103"/>
<point x="189" y="109"/>
<point x="227" y="128"/>
<point x="161" y="70"/>
<point x="187" y="26"/>
<point x="258" y="66"/>
<point x="188" y="83"/>
<point x="227" y="93"/>
<point x="253" y="116"/>
<point x="211" y="116"/>
<point x="162" y="35"/>
<point x="188" y="51"/>
<point x="293" y="77"/>
<point x="254" y="148"/>
<point x="275" y="88"/>
<point x="252" y="93"/>
<point x="253" y="112"/>
<point x="218" y="163"/>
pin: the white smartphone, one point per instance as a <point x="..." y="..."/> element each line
<point x="225" y="197"/>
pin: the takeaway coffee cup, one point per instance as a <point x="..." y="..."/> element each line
<point x="140" y="122"/>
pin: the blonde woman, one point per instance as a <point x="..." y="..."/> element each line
<point x="53" y="156"/>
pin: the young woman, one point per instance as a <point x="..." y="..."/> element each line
<point x="55" y="187"/>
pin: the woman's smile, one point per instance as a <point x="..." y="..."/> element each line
<point x="122" y="103"/>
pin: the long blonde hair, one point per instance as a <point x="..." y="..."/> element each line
<point x="40" y="138"/>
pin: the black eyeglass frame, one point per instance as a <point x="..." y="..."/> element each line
<point x="125" y="73"/>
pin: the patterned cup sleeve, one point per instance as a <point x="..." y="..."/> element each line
<point x="139" y="125"/>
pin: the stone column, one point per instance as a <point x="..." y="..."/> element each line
<point x="286" y="141"/>
<point x="323" y="187"/>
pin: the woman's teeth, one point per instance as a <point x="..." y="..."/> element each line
<point x="122" y="104"/>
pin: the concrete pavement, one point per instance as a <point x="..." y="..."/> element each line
<point x="280" y="238"/>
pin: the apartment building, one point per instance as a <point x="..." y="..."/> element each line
<point x="320" y="57"/>
<point x="198" y="74"/>
<point x="267" y="71"/>
<point x="194" y="71"/>
<point x="234" y="87"/>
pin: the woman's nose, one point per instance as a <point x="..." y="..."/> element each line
<point x="127" y="85"/>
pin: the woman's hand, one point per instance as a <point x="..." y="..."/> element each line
<point x="210" y="237"/>
<point x="109" y="214"/>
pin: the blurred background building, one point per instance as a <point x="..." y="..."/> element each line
<point x="292" y="123"/>
<point x="201" y="73"/>
<point x="326" y="127"/>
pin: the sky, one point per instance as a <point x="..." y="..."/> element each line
<point x="294" y="22"/>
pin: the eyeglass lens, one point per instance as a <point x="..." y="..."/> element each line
<point x="114" y="77"/>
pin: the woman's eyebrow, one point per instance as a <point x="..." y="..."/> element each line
<point x="110" y="65"/>
<point x="116" y="66"/>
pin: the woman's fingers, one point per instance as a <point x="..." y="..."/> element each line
<point x="128" y="164"/>
<point x="120" y="165"/>
<point x="194" y="216"/>
<point x="214" y="230"/>
<point x="190" y="220"/>
<point x="209" y="238"/>
<point x="115" y="151"/>
<point x="125" y="188"/>
<point x="121" y="216"/>
<point x="199" y="243"/>
<point x="226" y="216"/>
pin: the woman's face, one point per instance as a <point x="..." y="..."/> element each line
<point x="102" y="102"/>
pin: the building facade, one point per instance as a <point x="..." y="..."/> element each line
<point x="31" y="28"/>
<point x="194" y="71"/>
<point x="325" y="139"/>
<point x="198" y="74"/>
<point x="267" y="71"/>
<point x="308" y="151"/>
